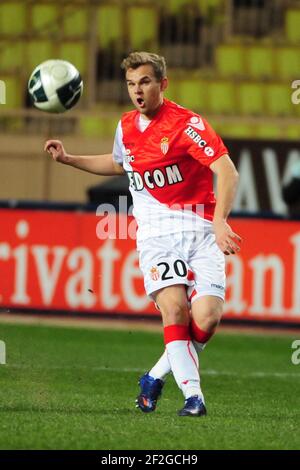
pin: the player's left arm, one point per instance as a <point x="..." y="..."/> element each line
<point x="227" y="181"/>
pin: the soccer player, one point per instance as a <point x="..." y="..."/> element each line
<point x="170" y="155"/>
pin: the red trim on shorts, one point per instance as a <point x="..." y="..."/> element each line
<point x="192" y="295"/>
<point x="199" y="335"/>
<point x="176" y="333"/>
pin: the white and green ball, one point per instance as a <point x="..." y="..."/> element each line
<point x="55" y="86"/>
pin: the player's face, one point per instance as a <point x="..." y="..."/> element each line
<point x="145" y="91"/>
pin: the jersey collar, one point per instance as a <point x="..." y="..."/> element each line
<point x="155" y="119"/>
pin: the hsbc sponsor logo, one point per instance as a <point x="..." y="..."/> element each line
<point x="157" y="178"/>
<point x="128" y="157"/>
<point x="197" y="138"/>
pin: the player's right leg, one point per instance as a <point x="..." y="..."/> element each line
<point x="163" y="268"/>
<point x="183" y="359"/>
<point x="173" y="305"/>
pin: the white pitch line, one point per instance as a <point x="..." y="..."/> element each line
<point x="210" y="372"/>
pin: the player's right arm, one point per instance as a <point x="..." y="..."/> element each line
<point x="98" y="164"/>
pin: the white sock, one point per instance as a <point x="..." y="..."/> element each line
<point x="161" y="368"/>
<point x="184" y="363"/>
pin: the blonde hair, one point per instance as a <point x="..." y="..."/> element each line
<point x="136" y="59"/>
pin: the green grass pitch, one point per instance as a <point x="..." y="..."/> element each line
<point x="68" y="388"/>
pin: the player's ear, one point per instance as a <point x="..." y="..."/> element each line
<point x="164" y="84"/>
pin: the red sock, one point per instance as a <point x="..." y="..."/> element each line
<point x="176" y="333"/>
<point x="199" y="335"/>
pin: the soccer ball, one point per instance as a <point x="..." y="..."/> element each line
<point x="55" y="86"/>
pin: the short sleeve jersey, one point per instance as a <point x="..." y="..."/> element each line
<point x="168" y="166"/>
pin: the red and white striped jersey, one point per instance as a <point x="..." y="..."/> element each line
<point x="168" y="169"/>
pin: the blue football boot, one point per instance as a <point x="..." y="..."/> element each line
<point x="193" y="406"/>
<point x="150" y="392"/>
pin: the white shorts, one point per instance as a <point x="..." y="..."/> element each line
<point x="190" y="258"/>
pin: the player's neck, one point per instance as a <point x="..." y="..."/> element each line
<point x="151" y="115"/>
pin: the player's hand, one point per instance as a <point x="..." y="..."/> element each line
<point x="56" y="149"/>
<point x="226" y="239"/>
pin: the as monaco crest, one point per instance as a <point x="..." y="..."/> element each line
<point x="164" y="145"/>
<point x="154" y="273"/>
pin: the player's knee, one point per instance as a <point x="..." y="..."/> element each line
<point x="210" y="318"/>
